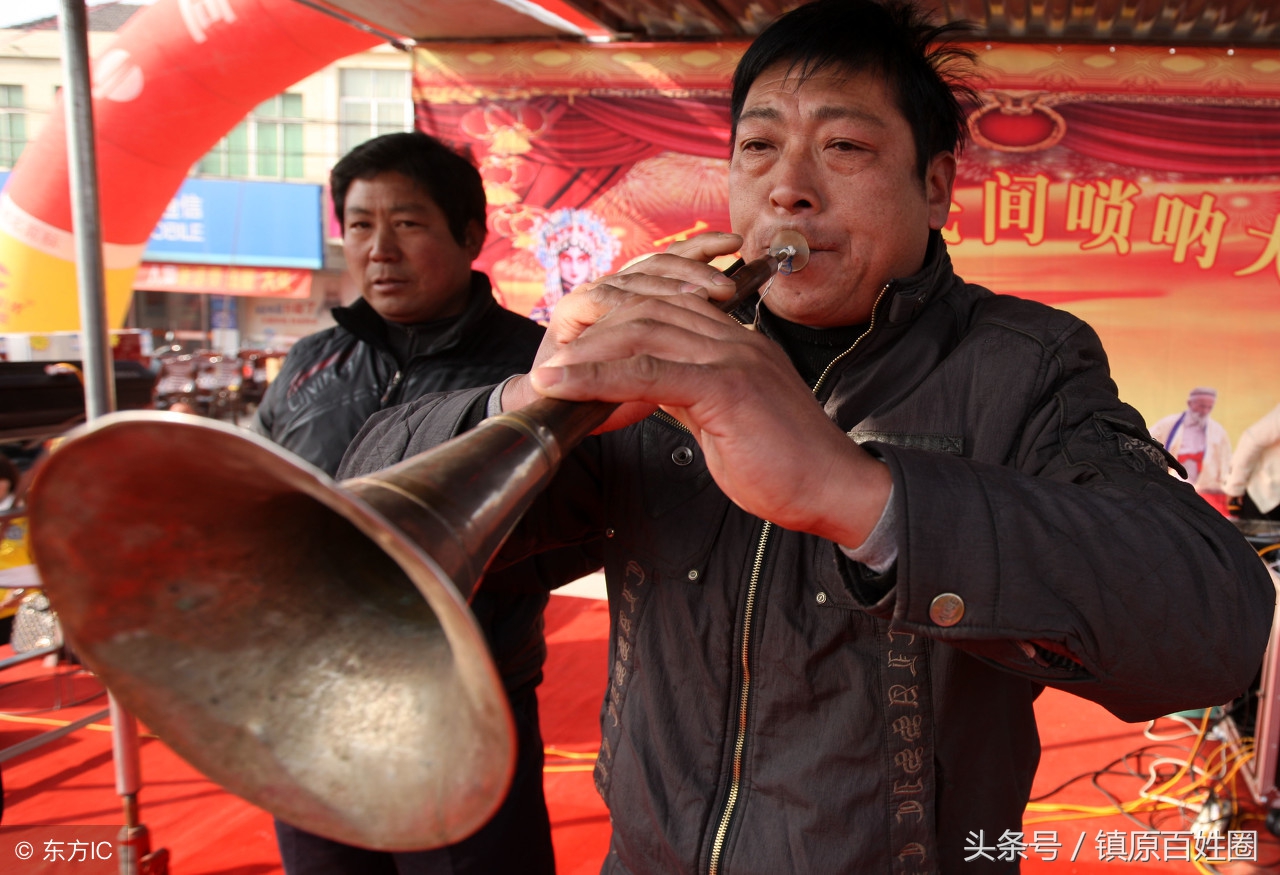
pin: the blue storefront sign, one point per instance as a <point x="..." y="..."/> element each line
<point x="240" y="223"/>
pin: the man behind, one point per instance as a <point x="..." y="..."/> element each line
<point x="849" y="549"/>
<point x="1198" y="442"/>
<point x="413" y="220"/>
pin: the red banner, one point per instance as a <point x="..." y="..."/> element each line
<point x="1137" y="186"/>
<point x="203" y="279"/>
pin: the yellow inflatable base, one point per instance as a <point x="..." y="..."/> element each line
<point x="38" y="291"/>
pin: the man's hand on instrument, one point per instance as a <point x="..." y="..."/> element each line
<point x="767" y="441"/>
<point x="681" y="270"/>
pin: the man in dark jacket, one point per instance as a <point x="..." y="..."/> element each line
<point x="413" y="221"/>
<point x="848" y="550"/>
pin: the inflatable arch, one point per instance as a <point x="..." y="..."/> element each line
<point x="180" y="74"/>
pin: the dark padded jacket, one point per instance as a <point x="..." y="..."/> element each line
<point x="775" y="708"/>
<point x="334" y="380"/>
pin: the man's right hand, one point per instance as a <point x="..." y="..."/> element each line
<point x="649" y="337"/>
<point x="681" y="270"/>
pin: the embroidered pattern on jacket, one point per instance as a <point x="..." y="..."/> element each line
<point x="297" y="382"/>
<point x="633" y="579"/>
<point x="909" y="749"/>
<point x="1138" y="453"/>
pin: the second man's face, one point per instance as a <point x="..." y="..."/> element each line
<point x="400" y="252"/>
<point x="833" y="158"/>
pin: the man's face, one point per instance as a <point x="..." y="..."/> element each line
<point x="575" y="267"/>
<point x="834" y="159"/>
<point x="1200" y="406"/>
<point x="400" y="252"/>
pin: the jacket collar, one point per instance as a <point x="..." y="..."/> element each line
<point x="368" y="327"/>
<point x="907" y="297"/>
<point x="904" y="299"/>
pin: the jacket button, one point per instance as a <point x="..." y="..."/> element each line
<point x="693" y="574"/>
<point x="682" y="456"/>
<point x="822" y="598"/>
<point x="946" y="609"/>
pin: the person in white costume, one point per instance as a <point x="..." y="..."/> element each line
<point x="1253" y="485"/>
<point x="1198" y="442"/>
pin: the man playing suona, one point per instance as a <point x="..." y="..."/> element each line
<point x="846" y="551"/>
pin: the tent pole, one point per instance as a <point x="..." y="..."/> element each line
<point x="134" y="845"/>
<point x="82" y="164"/>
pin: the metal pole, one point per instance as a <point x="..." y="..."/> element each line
<point x="82" y="163"/>
<point x="134" y="844"/>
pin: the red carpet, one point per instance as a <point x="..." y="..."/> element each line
<point x="208" y="832"/>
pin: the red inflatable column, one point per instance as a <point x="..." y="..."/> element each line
<point x="179" y="76"/>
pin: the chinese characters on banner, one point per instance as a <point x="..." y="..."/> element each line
<point x="257" y="282"/>
<point x="1137" y="186"/>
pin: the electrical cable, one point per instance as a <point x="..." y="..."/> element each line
<point x="1179" y="787"/>
<point x="47" y="721"/>
<point x="589" y="758"/>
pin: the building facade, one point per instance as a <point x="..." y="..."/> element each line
<point x="247" y="254"/>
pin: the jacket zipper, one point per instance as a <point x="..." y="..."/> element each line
<point x="870" y="327"/>
<point x="744" y="696"/>
<point x="391" y="387"/>
<point x="740" y="739"/>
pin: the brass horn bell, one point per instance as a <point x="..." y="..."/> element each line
<point x="279" y="631"/>
<point x="292" y="637"/>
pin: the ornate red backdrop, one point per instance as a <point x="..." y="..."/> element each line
<point x="1139" y="187"/>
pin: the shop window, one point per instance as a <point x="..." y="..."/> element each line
<point x="371" y="103"/>
<point x="169" y="311"/>
<point x="266" y="145"/>
<point x="13" y="124"/>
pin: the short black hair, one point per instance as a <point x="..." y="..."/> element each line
<point x="895" y="38"/>
<point x="448" y="177"/>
